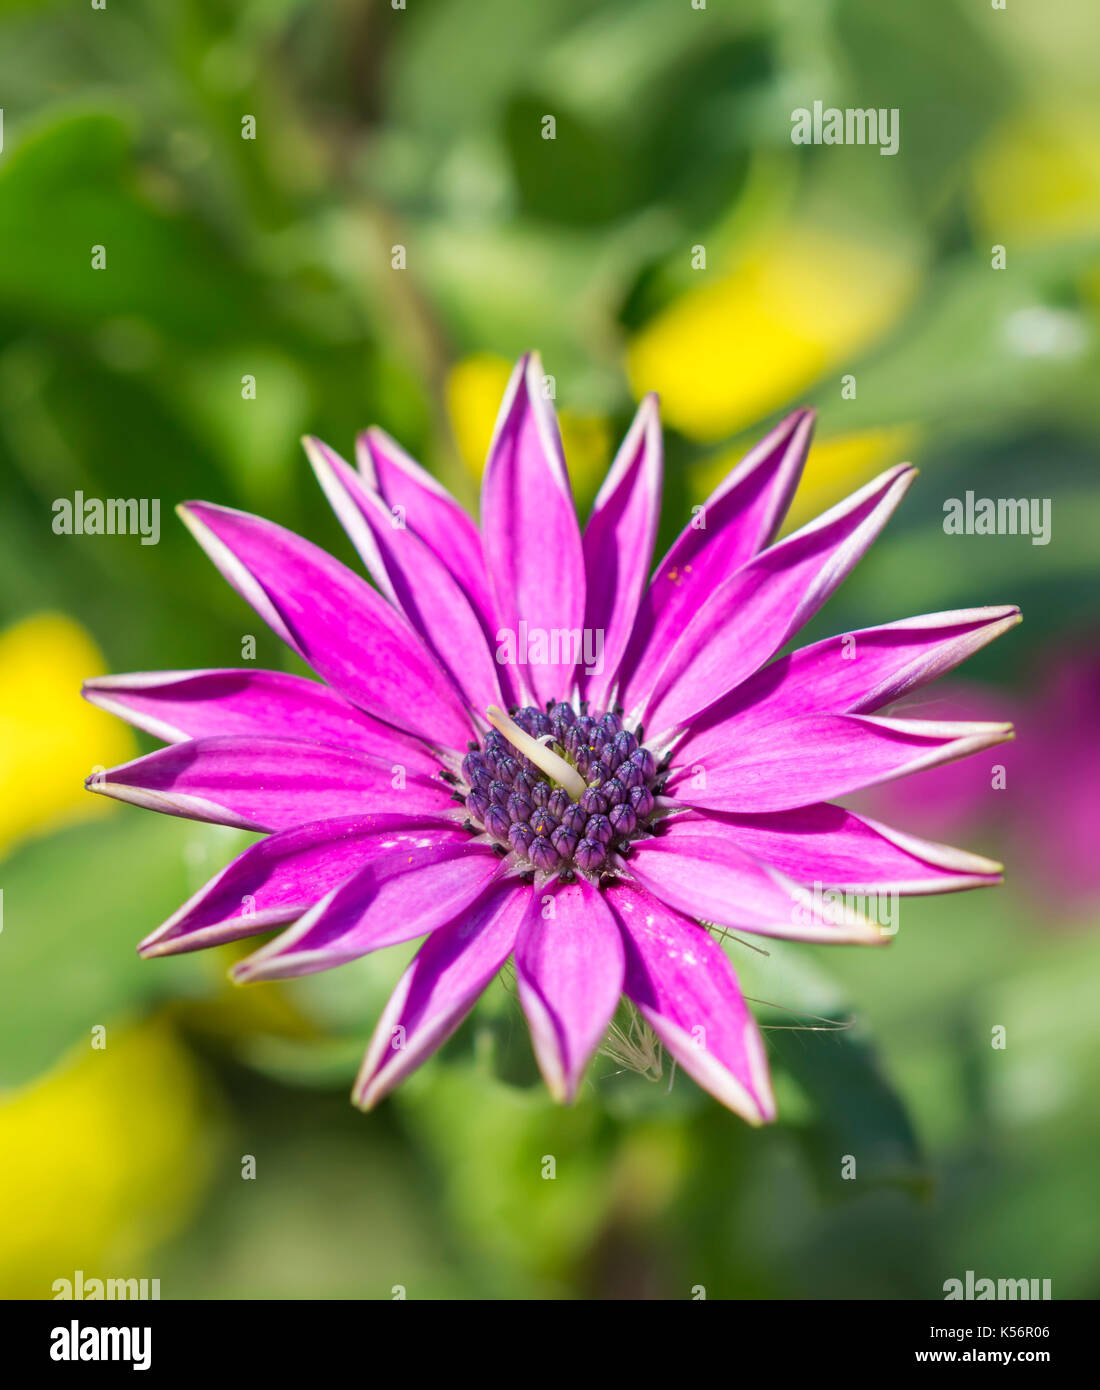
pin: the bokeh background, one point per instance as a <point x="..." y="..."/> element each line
<point x="272" y="257"/>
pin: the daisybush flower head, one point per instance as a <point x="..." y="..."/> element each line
<point x="522" y="744"/>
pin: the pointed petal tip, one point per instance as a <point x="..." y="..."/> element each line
<point x="370" y="1088"/>
<point x="802" y="415"/>
<point x="561" y="1092"/>
<point x="251" y="970"/>
<point x="365" y="1098"/>
<point x="315" y="451"/>
<point x="375" y="436"/>
<point x="190" y="513"/>
<point x="364" y="453"/>
<point x="156" y="945"/>
<point x="321" y="456"/>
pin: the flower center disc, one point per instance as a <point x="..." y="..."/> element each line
<point x="528" y="814"/>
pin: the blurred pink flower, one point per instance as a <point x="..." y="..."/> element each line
<point x="1039" y="794"/>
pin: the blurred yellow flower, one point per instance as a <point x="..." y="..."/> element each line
<point x="838" y="466"/>
<point x="747" y="342"/>
<point x="52" y="739"/>
<point x="1037" y="179"/>
<point x="475" y="388"/>
<point x="835" y="467"/>
<point x="100" y="1159"/>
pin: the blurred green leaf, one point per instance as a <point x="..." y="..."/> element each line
<point x="71" y="186"/>
<point x="857" y="1113"/>
<point x="75" y="906"/>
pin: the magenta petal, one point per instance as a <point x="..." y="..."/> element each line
<point x="695" y="867"/>
<point x="413" y="577"/>
<point x="429" y="509"/>
<point x="685" y="987"/>
<point x="268" y="783"/>
<point x="821" y="756"/>
<point x="440" y="988"/>
<point x="532" y="540"/>
<point x="838" y="849"/>
<point x="421" y="883"/>
<point x="852" y="673"/>
<point x="334" y="620"/>
<point x="569" y="971"/>
<point x="618" y="544"/>
<point x="179" y="705"/>
<point x="760" y="607"/>
<point x="737" y="521"/>
<point x="278" y="879"/>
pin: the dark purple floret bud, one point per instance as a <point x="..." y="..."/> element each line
<point x="543" y="823"/>
<point x="598" y="828"/>
<point x="540" y="793"/>
<point x="518" y="809"/>
<point x="521" y="837"/>
<point x="589" y="855"/>
<point x="575" y="817"/>
<point x="524" y="782"/>
<point x="593" y="802"/>
<point x="625" y="744"/>
<point x="565" y="841"/>
<point x="498" y="793"/>
<point x="565" y="713"/>
<point x="642" y="800"/>
<point x="507" y="768"/>
<point x="612" y="723"/>
<point x="558" y="802"/>
<point x="543" y="854"/>
<point x="623" y="819"/>
<point x="477" y="803"/>
<point x="644" y="759"/>
<point x="630" y="776"/>
<point x="614" y="791"/>
<point x="471" y="764"/>
<point x="497" y="822"/>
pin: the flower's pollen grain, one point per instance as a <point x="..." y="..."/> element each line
<point x="558" y="790"/>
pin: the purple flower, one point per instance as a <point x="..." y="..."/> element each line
<point x="658" y="768"/>
<point x="1042" y="795"/>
